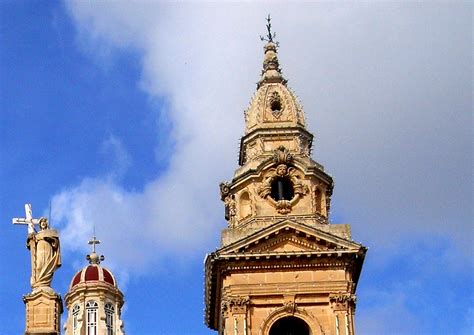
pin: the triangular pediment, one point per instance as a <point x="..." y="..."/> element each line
<point x="290" y="237"/>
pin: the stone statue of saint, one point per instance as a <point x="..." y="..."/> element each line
<point x="45" y="254"/>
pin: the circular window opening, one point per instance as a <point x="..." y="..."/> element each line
<point x="290" y="325"/>
<point x="282" y="189"/>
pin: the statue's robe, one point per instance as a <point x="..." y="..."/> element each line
<point x="46" y="256"/>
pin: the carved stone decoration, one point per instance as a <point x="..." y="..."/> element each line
<point x="289" y="306"/>
<point x="303" y="145"/>
<point x="265" y="190"/>
<point x="234" y="305"/>
<point x="299" y="189"/>
<point x="299" y="111"/>
<point x="225" y="189"/>
<point x="276" y="105"/>
<point x="283" y="206"/>
<point x="282" y="170"/>
<point x="342" y="301"/>
<point x="230" y="210"/>
<point x="282" y="155"/>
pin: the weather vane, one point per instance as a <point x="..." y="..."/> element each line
<point x="270" y="37"/>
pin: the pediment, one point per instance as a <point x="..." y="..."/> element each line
<point x="290" y="237"/>
<point x="289" y="241"/>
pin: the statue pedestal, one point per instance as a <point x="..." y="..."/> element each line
<point x="43" y="312"/>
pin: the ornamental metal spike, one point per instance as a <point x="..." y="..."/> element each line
<point x="270" y="36"/>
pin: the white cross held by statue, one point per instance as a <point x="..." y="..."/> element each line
<point x="28" y="220"/>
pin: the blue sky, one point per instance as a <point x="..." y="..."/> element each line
<point x="127" y="116"/>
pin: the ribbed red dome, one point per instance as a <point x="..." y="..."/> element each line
<point x="93" y="272"/>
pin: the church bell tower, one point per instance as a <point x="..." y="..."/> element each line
<point x="282" y="267"/>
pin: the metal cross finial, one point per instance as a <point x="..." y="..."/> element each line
<point x="94" y="241"/>
<point x="270" y="36"/>
<point x="93" y="258"/>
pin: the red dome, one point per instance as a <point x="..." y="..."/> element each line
<point x="91" y="273"/>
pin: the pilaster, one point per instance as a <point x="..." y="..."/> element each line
<point x="234" y="315"/>
<point x="343" y="306"/>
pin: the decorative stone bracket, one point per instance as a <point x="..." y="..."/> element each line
<point x="225" y="189"/>
<point x="230" y="209"/>
<point x="234" y="305"/>
<point x="342" y="301"/>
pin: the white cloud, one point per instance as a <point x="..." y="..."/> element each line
<point x="386" y="92"/>
<point x="116" y="155"/>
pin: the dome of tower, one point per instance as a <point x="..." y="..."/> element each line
<point x="93" y="273"/>
<point x="274" y="105"/>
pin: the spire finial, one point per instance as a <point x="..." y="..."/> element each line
<point x="270" y="36"/>
<point x="94" y="241"/>
<point x="93" y="258"/>
<point x="271" y="68"/>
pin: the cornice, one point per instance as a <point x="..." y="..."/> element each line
<point x="92" y="288"/>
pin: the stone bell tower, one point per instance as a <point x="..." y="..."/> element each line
<point x="282" y="267"/>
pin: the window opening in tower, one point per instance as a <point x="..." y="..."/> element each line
<point x="282" y="189"/>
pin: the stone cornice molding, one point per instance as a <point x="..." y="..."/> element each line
<point x="298" y="228"/>
<point x="99" y="289"/>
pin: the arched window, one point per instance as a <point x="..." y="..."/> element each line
<point x="290" y="325"/>
<point x="282" y="189"/>
<point x="91" y="310"/>
<point x="75" y="322"/>
<point x="109" y="318"/>
<point x="245" y="208"/>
